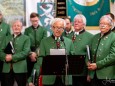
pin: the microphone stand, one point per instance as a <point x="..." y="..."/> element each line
<point x="66" y="64"/>
<point x="66" y="68"/>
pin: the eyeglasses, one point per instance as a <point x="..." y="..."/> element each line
<point x="57" y="28"/>
<point x="104" y="23"/>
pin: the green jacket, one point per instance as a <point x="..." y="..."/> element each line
<point x="4" y="31"/>
<point x="80" y="43"/>
<point x="113" y="29"/>
<point x="22" y="48"/>
<point x="35" y="36"/>
<point x="105" y="56"/>
<point x="69" y="35"/>
<point x="45" y="46"/>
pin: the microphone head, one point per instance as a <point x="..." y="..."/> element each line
<point x="62" y="39"/>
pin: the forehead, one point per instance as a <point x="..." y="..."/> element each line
<point x="17" y="23"/>
<point x="59" y="23"/>
<point x="104" y="20"/>
<point x="34" y="18"/>
<point x="78" y="19"/>
<point x="67" y="20"/>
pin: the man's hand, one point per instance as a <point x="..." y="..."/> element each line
<point x="31" y="84"/>
<point x="92" y="66"/>
<point x="8" y="57"/>
<point x="33" y="56"/>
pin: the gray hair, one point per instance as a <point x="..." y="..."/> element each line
<point x="82" y="17"/>
<point x="16" y="20"/>
<point x="58" y="19"/>
<point x="108" y="18"/>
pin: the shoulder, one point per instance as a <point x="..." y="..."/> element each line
<point x="88" y="33"/>
<point x="42" y="28"/>
<point x="97" y="35"/>
<point x="5" y="24"/>
<point x="28" y="28"/>
<point x="24" y="36"/>
<point x="67" y="39"/>
<point x="112" y="35"/>
<point x="45" y="39"/>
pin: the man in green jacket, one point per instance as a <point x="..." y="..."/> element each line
<point x="13" y="53"/>
<point x="81" y="38"/>
<point x="102" y="68"/>
<point x="36" y="34"/>
<point x="48" y="43"/>
<point x="4" y="31"/>
<point x="68" y="30"/>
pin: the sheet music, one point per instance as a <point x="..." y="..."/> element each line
<point x="57" y="51"/>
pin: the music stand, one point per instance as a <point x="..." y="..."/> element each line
<point x="76" y="64"/>
<point x="53" y="65"/>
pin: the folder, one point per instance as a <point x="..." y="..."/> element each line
<point x="34" y="77"/>
<point x="88" y="53"/>
<point x="9" y="48"/>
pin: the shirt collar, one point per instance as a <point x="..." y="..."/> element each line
<point x="56" y="38"/>
<point x="34" y="27"/>
<point x="15" y="36"/>
<point x="105" y="34"/>
<point x="80" y="32"/>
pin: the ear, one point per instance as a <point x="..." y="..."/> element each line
<point x="52" y="29"/>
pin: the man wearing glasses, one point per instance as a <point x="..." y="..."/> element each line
<point x="48" y="43"/>
<point x="102" y="68"/>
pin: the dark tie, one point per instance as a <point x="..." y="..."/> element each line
<point x="73" y="37"/>
<point x="58" y="44"/>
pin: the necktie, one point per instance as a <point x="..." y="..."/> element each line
<point x="58" y="43"/>
<point x="73" y="37"/>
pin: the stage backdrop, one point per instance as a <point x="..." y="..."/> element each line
<point x="92" y="9"/>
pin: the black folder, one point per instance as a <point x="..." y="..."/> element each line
<point x="55" y="64"/>
<point x="9" y="48"/>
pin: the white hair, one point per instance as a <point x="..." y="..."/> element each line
<point x="58" y="19"/>
<point x="82" y="17"/>
<point x="15" y="21"/>
<point x="108" y="18"/>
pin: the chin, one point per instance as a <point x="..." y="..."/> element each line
<point x="57" y="35"/>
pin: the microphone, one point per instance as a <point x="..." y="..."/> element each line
<point x="66" y="64"/>
<point x="62" y="39"/>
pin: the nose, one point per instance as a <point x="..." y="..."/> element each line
<point x="103" y="26"/>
